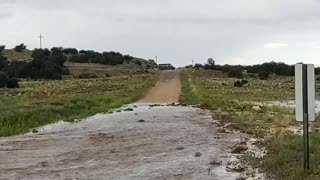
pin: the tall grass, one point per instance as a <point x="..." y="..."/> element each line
<point x="40" y="103"/>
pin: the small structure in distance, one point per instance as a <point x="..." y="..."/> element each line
<point x="166" y="67"/>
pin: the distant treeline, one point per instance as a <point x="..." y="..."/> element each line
<point x="49" y="64"/>
<point x="277" y="68"/>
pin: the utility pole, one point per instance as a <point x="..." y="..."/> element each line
<point x="156" y="59"/>
<point x="41" y="40"/>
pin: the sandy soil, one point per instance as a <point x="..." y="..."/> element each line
<point x="167" y="89"/>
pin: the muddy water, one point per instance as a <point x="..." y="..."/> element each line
<point x="118" y="146"/>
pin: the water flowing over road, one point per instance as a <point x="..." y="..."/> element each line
<point x="143" y="141"/>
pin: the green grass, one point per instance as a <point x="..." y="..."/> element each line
<point x="284" y="159"/>
<point x="38" y="103"/>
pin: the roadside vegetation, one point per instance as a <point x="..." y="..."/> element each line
<point x="245" y="104"/>
<point x="43" y="86"/>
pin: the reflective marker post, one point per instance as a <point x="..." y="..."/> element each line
<point x="306" y="163"/>
<point x="305" y="103"/>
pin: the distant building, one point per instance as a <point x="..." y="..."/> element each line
<point x="166" y="67"/>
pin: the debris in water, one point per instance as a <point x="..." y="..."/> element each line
<point x="35" y="131"/>
<point x="128" y="109"/>
<point x="238" y="149"/>
<point x="197" y="154"/>
<point x="215" y="162"/>
<point x="180" y="148"/>
<point x="235" y="165"/>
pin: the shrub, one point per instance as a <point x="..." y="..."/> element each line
<point x="2" y="47"/>
<point x="70" y="51"/>
<point x="108" y="75"/>
<point x="13" y="83"/>
<point x="87" y="76"/>
<point x="79" y="58"/>
<point x="235" y="73"/>
<point x="263" y="75"/>
<point x="237" y="84"/>
<point x="3" y="62"/>
<point x="66" y="71"/>
<point x="20" y="48"/>
<point x="244" y="82"/>
<point x="3" y="79"/>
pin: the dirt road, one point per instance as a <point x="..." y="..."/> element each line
<point x="161" y="142"/>
<point x="167" y="89"/>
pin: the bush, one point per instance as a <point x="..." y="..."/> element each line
<point x="70" y="51"/>
<point x="20" y="48"/>
<point x="108" y="75"/>
<point x="3" y="62"/>
<point x="3" y="79"/>
<point x="244" y="82"/>
<point x="87" y="76"/>
<point x="237" y="84"/>
<point x="263" y="75"/>
<point x="2" y="47"/>
<point x="235" y="73"/>
<point x="66" y="71"/>
<point x="79" y="58"/>
<point x="13" y="83"/>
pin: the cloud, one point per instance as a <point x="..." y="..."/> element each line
<point x="176" y="31"/>
<point x="275" y="45"/>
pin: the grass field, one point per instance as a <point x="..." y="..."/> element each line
<point x="284" y="159"/>
<point x="38" y="103"/>
<point x="20" y="56"/>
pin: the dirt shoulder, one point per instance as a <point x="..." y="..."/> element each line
<point x="167" y="89"/>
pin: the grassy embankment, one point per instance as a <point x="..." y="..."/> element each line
<point x="284" y="159"/>
<point x="37" y="103"/>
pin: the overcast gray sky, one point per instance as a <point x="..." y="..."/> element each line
<point x="177" y="31"/>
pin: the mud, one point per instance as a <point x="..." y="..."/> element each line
<point x="117" y="146"/>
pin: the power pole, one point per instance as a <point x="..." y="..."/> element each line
<point x="41" y="40"/>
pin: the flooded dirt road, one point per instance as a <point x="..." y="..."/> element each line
<point x="147" y="143"/>
<point x="139" y="142"/>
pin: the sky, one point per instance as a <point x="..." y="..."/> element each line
<point x="176" y="31"/>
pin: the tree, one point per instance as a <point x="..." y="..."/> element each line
<point x="3" y="62"/>
<point x="235" y="72"/>
<point x="13" y="83"/>
<point x="210" y="64"/>
<point x="3" y="79"/>
<point x="72" y="51"/>
<point x="20" y="48"/>
<point x="2" y="48"/>
<point x="263" y="75"/>
<point x="198" y="66"/>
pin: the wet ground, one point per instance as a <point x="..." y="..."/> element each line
<point x="147" y="143"/>
<point x="292" y="104"/>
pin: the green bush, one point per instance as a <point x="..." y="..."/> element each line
<point x="20" y="48"/>
<point x="3" y="79"/>
<point x="13" y="83"/>
<point x="263" y="75"/>
<point x="235" y="73"/>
